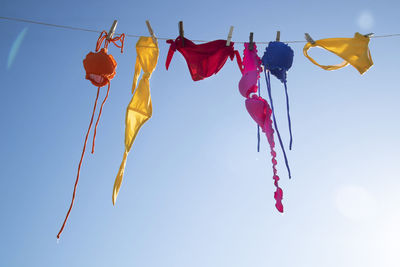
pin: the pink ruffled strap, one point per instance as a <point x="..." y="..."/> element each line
<point x="269" y="131"/>
<point x="259" y="110"/>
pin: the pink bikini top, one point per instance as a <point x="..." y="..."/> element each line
<point x="251" y="71"/>
<point x="259" y="109"/>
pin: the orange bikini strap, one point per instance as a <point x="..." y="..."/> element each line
<point x="103" y="37"/>
<point x="120" y="38"/>
<point x="98" y="118"/>
<point x="79" y="166"/>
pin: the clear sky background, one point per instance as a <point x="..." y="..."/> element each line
<point x="196" y="193"/>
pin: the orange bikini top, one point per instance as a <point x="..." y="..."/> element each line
<point x="100" y="66"/>
<point x="100" y="69"/>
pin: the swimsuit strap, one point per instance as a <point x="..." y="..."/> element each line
<point x="288" y="116"/>
<point x="325" y="67"/>
<point x="79" y="166"/>
<point x="268" y="80"/>
<point x="103" y="37"/>
<point x="120" y="38"/>
<point x="171" y="52"/>
<point x="238" y="60"/>
<point x="98" y="118"/>
<point x="258" y="126"/>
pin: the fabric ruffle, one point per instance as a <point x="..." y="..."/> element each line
<point x="259" y="109"/>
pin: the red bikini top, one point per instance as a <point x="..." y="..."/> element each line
<point x="205" y="59"/>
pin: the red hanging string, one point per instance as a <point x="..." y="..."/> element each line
<point x="79" y="166"/>
<point x="98" y="118"/>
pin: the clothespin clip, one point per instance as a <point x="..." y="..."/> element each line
<point x="278" y="36"/>
<point x="151" y="32"/>
<point x="369" y="35"/>
<point x="251" y="44"/>
<point x="228" y="40"/>
<point x="309" y="39"/>
<point x="112" y="30"/>
<point x="181" y="32"/>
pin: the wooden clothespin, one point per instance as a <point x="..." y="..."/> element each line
<point x="181" y="32"/>
<point x="369" y="35"/>
<point x="151" y="32"/>
<point x="278" y="36"/>
<point x="251" y="44"/>
<point x="309" y="39"/>
<point x="228" y="40"/>
<point x="112" y="30"/>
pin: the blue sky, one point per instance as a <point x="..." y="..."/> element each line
<point x="196" y="192"/>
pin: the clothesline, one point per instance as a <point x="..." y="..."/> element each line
<point x="160" y="38"/>
<point x="203" y="61"/>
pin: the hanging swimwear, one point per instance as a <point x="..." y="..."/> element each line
<point x="277" y="59"/>
<point x="140" y="108"/>
<point x="259" y="109"/>
<point x="205" y="59"/>
<point x="354" y="51"/>
<point x="100" y="69"/>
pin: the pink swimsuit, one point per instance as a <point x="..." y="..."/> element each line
<point x="259" y="109"/>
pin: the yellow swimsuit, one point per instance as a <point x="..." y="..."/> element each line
<point x="139" y="109"/>
<point x="354" y="51"/>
